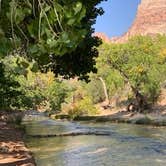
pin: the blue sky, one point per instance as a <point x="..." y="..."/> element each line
<point x="118" y="16"/>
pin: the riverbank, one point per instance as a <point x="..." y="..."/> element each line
<point x="155" y="118"/>
<point x="13" y="151"/>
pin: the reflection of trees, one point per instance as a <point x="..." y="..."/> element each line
<point x="143" y="131"/>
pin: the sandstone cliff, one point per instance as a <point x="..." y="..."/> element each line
<point x="102" y="36"/>
<point x="150" y="20"/>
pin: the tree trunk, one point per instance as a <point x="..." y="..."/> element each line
<point x="105" y="90"/>
<point x="141" y="101"/>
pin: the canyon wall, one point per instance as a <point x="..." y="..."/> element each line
<point x="150" y="20"/>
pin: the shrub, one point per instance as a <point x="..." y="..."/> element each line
<point x="83" y="107"/>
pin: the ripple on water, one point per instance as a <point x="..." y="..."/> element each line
<point x="127" y="145"/>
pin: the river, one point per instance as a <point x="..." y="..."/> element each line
<point x="127" y="144"/>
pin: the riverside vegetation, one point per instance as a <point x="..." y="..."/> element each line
<point x="41" y="40"/>
<point x="50" y="61"/>
<point x="41" y="36"/>
<point x="133" y="72"/>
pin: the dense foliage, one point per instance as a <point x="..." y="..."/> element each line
<point x="51" y="35"/>
<point x="44" y="41"/>
<point x="130" y="72"/>
<point x="140" y="63"/>
<point x="8" y="90"/>
<point x="56" y="33"/>
<point x="21" y="88"/>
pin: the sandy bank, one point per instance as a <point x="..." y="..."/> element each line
<point x="13" y="151"/>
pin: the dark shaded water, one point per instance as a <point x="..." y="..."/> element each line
<point x="127" y="145"/>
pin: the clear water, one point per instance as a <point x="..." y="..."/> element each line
<point x="127" y="145"/>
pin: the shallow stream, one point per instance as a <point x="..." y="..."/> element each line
<point x="127" y="145"/>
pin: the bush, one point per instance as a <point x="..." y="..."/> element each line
<point x="95" y="90"/>
<point x="82" y="107"/>
<point x="22" y="88"/>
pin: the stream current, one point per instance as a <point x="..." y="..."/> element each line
<point x="126" y="144"/>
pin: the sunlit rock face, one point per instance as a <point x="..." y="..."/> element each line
<point x="150" y="20"/>
<point x="102" y="36"/>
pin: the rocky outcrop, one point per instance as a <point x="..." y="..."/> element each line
<point x="157" y="117"/>
<point x="102" y="36"/>
<point x="150" y="20"/>
<point x="96" y="133"/>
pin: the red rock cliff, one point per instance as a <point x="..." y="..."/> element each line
<point x="102" y="36"/>
<point x="150" y="20"/>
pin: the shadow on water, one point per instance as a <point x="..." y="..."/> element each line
<point x="127" y="145"/>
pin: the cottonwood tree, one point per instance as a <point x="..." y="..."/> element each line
<point x="56" y="33"/>
<point x="141" y="63"/>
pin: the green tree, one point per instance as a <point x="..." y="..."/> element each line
<point x="95" y="89"/>
<point x="26" y="89"/>
<point x="79" y="102"/>
<point x="9" y="90"/>
<point x="110" y="78"/>
<point x="56" y="33"/>
<point x="141" y="64"/>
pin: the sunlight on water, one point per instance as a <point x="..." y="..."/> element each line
<point x="127" y="145"/>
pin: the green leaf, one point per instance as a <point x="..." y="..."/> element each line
<point x="34" y="67"/>
<point x="71" y="21"/>
<point x="24" y="64"/>
<point x="33" y="28"/>
<point x="33" y="49"/>
<point x="77" y="8"/>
